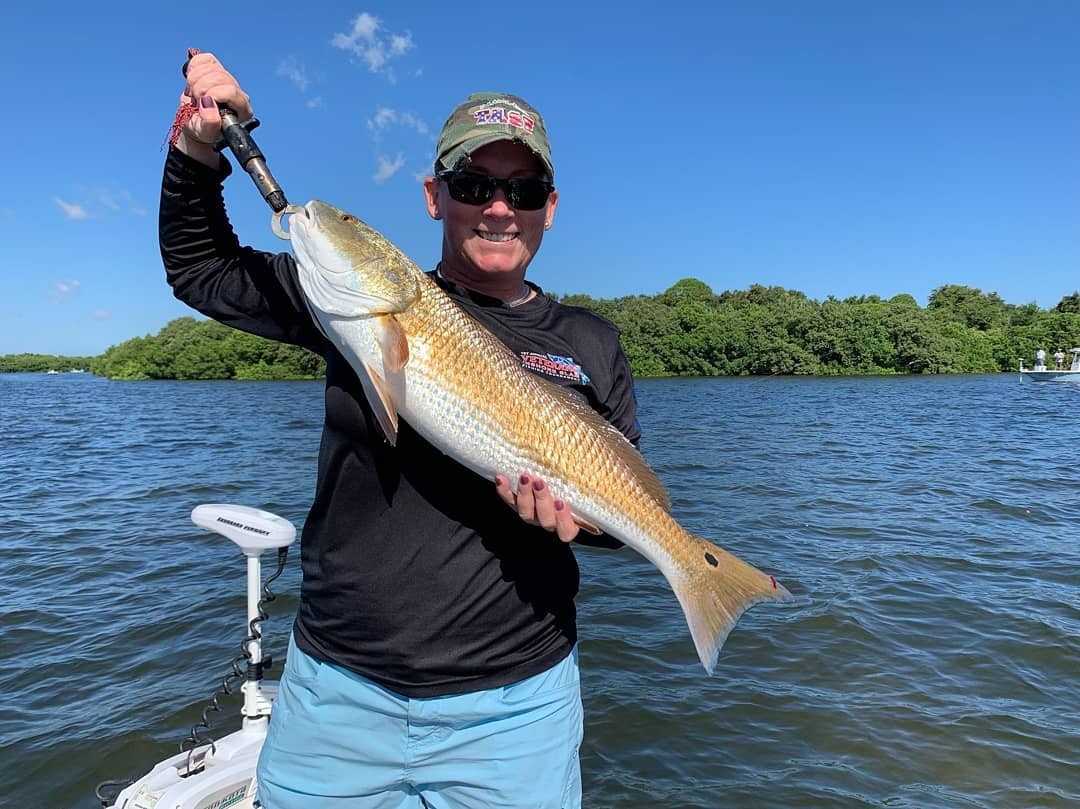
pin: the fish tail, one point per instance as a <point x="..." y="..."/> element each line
<point x="715" y="588"/>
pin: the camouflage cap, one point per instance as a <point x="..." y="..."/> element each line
<point x="485" y="118"/>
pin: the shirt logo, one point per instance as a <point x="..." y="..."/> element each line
<point x="554" y="365"/>
<point x="499" y="115"/>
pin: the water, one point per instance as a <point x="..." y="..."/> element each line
<point x="926" y="526"/>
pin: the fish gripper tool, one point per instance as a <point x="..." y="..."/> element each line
<point x="236" y="137"/>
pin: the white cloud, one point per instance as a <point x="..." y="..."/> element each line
<point x="295" y="73"/>
<point x="383" y="118"/>
<point x="383" y="121"/>
<point x="94" y="203"/>
<point x="71" y="210"/>
<point x="367" y="41"/>
<point x="387" y="168"/>
<point x="400" y="45"/>
<point x="386" y="117"/>
<point x="61" y="289"/>
<point x="101" y="314"/>
<point x="316" y="103"/>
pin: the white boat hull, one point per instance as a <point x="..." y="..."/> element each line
<point x="223" y="779"/>
<point x="1050" y="376"/>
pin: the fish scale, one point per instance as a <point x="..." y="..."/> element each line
<point x="425" y="360"/>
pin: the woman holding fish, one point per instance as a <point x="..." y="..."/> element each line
<point x="433" y="659"/>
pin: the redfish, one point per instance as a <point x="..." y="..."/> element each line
<point x="423" y="359"/>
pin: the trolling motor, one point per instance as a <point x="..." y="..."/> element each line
<point x="255" y="531"/>
<point x="222" y="770"/>
<point x="236" y="137"/>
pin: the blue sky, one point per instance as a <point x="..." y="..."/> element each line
<point x="837" y="148"/>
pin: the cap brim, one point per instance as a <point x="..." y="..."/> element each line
<point x="470" y="145"/>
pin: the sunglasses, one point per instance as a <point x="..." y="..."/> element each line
<point x="522" y="193"/>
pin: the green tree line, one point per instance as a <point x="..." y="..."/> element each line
<point x="34" y="363"/>
<point x="205" y="349"/>
<point x="688" y="330"/>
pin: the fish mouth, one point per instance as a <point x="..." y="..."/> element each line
<point x="298" y="215"/>
<point x="299" y="221"/>
<point x="496" y="238"/>
<point x="278" y="218"/>
<point x="306" y="213"/>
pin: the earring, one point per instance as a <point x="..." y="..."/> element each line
<point x="547" y="226"/>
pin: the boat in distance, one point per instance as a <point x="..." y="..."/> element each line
<point x="1040" y="373"/>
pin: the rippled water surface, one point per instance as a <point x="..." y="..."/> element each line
<point x="928" y="527"/>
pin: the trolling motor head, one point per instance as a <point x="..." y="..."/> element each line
<point x="254" y="530"/>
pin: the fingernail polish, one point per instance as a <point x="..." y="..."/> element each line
<point x="207" y="101"/>
<point x="538" y="485"/>
<point x="524" y="480"/>
<point x="559" y="505"/>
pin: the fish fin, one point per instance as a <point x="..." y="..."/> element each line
<point x="393" y="342"/>
<point x="621" y="445"/>
<point x="587" y="526"/>
<point x="714" y="588"/>
<point x="378" y="395"/>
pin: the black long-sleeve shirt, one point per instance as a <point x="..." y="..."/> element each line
<point x="415" y="574"/>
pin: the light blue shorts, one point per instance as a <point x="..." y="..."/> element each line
<point x="338" y="740"/>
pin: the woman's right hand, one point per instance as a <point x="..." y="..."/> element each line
<point x="208" y="85"/>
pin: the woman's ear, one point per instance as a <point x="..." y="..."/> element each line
<point x="431" y="197"/>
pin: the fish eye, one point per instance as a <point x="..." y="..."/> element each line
<point x="348" y="217"/>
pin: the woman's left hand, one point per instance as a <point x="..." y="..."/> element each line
<point x="536" y="505"/>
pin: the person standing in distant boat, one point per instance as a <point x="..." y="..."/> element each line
<point x="1040" y="360"/>
<point x="1059" y="360"/>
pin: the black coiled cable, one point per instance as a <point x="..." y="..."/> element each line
<point x="255" y="668"/>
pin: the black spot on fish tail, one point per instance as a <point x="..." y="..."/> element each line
<point x="711" y="560"/>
